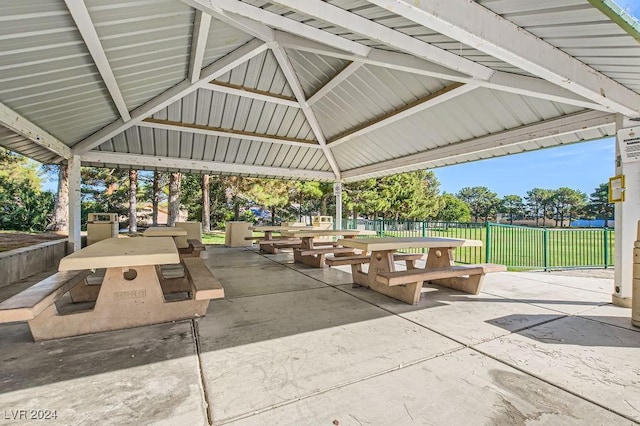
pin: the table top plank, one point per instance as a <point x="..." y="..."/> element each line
<point x="164" y="231"/>
<point x="321" y="233"/>
<point x="278" y="228"/>
<point x="122" y="253"/>
<point x="379" y="244"/>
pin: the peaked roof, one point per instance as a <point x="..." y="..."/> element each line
<point x="336" y="90"/>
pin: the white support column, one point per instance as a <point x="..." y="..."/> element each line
<point x="337" y="191"/>
<point x="627" y="214"/>
<point x="74" y="203"/>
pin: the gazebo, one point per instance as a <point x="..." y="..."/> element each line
<point x="336" y="91"/>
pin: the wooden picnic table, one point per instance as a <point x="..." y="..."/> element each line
<point x="130" y="294"/>
<point x="406" y="285"/>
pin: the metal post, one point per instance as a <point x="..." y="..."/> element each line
<point x="424" y="232"/>
<point x="337" y="191"/>
<point x="487" y="253"/>
<point x="545" y="248"/>
<point x="606" y="247"/>
<point x="74" y="242"/>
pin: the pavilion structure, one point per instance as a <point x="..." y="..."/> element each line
<point x="335" y="91"/>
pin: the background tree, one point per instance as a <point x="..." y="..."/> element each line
<point x="175" y="180"/>
<point x="206" y="204"/>
<point x="272" y="194"/>
<point x="133" y="200"/>
<point x="535" y="199"/>
<point x="567" y="203"/>
<point x="599" y="206"/>
<point x="413" y="195"/>
<point x="453" y="209"/>
<point x="482" y="202"/>
<point x="23" y="206"/>
<point x="513" y="206"/>
<point x="363" y="197"/>
<point x="60" y="217"/>
<point x="104" y="190"/>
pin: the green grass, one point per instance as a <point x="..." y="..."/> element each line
<point x="523" y="248"/>
<point x="214" y="237"/>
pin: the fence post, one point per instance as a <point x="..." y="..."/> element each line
<point x="424" y="232"/>
<point x="487" y="247"/>
<point x="606" y="247"/>
<point x="545" y="248"/>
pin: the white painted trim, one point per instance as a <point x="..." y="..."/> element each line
<point x="182" y="89"/>
<point x="221" y="133"/>
<point x="503" y="81"/>
<point x="149" y="161"/>
<point x="453" y="93"/>
<point x="550" y="128"/>
<point x="286" y="24"/>
<point x="201" y="25"/>
<point x="335" y="81"/>
<point x="249" y="26"/>
<point x="357" y="24"/>
<point x="83" y="21"/>
<point x="20" y="125"/>
<point x="296" y="87"/>
<point x="75" y="198"/>
<point x="249" y="94"/>
<point x="478" y="27"/>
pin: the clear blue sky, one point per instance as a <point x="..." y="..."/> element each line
<point x="580" y="166"/>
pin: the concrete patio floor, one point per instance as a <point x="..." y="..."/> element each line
<point x="300" y="346"/>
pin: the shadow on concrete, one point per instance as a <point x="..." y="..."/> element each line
<point x="572" y="330"/>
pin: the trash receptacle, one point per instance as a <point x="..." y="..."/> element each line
<point x="235" y="233"/>
<point x="322" y="222"/>
<point x="101" y="226"/>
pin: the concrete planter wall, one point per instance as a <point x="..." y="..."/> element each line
<point x="20" y="263"/>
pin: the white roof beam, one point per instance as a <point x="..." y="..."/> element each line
<point x="201" y="25"/>
<point x="478" y="27"/>
<point x="546" y="129"/>
<point x="180" y="90"/>
<point x="503" y="81"/>
<point x="20" y="125"/>
<point x="334" y="82"/>
<point x="449" y="92"/>
<point x="249" y="26"/>
<point x="342" y="18"/>
<point x="152" y="162"/>
<point x="296" y="87"/>
<point x="247" y="92"/>
<point x="227" y="133"/>
<point x="83" y="21"/>
<point x="286" y="24"/>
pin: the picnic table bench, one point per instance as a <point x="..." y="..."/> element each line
<point x="188" y="245"/>
<point x="130" y="294"/>
<point x="407" y="285"/>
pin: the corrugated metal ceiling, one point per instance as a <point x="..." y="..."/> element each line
<point x="48" y="76"/>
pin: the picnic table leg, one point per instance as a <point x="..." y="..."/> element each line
<point x="127" y="299"/>
<point x="347" y="254"/>
<point x="315" y="261"/>
<point x="382" y="261"/>
<point x="268" y="248"/>
<point x="442" y="258"/>
<point x="85" y="292"/>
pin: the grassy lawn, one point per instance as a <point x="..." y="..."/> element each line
<point x="214" y="237"/>
<point x="523" y="248"/>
